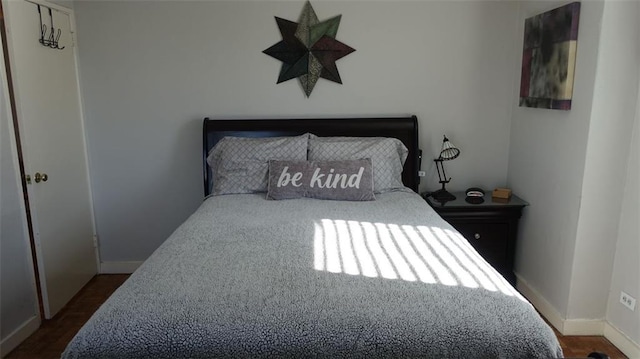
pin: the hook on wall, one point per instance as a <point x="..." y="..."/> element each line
<point x="53" y="39"/>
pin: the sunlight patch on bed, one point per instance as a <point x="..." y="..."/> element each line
<point x="478" y="265"/>
<point x="410" y="253"/>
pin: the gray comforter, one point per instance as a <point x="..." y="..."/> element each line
<point x="248" y="277"/>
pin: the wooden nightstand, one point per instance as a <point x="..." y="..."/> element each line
<point x="490" y="227"/>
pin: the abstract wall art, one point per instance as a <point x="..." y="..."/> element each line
<point x="309" y="49"/>
<point x="548" y="58"/>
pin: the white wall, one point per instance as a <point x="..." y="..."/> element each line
<point x="150" y="71"/>
<point x="579" y="170"/>
<point x="612" y="116"/>
<point x="546" y="166"/>
<point x="64" y="3"/>
<point x="18" y="308"/>
<point x="626" y="269"/>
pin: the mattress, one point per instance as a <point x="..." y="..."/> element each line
<point x="249" y="277"/>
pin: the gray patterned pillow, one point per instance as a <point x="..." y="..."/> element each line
<point x="350" y="180"/>
<point x="241" y="164"/>
<point x="387" y="156"/>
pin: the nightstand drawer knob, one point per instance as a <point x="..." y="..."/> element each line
<point x="476" y="236"/>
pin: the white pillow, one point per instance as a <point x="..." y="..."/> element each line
<point x="387" y="156"/>
<point x="241" y="164"/>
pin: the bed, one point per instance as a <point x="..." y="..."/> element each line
<point x="246" y="276"/>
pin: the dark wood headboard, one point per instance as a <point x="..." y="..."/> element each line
<point x="402" y="128"/>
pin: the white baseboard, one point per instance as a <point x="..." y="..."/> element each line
<point x="540" y="303"/>
<point x="578" y="326"/>
<point x="584" y="327"/>
<point x="19" y="335"/>
<point x="630" y="348"/>
<point x="564" y="326"/>
<point x="119" y="267"/>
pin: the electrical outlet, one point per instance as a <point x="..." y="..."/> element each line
<point x="421" y="173"/>
<point x="628" y="301"/>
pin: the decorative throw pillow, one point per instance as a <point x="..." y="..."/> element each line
<point x="241" y="164"/>
<point x="350" y="180"/>
<point x="387" y="156"/>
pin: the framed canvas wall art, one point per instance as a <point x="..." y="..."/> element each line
<point x="548" y="58"/>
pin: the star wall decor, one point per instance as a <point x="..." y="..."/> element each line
<point x="309" y="49"/>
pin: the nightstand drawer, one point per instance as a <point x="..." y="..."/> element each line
<point x="490" y="240"/>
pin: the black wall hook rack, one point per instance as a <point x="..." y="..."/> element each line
<point x="53" y="39"/>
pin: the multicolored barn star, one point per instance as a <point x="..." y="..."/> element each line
<point x="309" y="49"/>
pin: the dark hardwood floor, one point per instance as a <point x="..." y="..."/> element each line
<point x="53" y="336"/>
<point x="50" y="340"/>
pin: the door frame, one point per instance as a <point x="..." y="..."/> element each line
<point x="17" y="116"/>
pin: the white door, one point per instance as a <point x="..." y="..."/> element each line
<point x="51" y="129"/>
